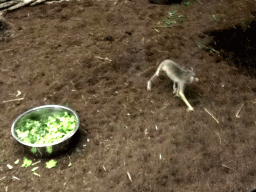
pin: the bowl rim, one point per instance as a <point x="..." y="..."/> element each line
<point x="42" y="107"/>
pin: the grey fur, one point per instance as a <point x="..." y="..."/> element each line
<point x="178" y="75"/>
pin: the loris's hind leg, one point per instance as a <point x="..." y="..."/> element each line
<point x="149" y="84"/>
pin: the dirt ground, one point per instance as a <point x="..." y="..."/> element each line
<point x="96" y="57"/>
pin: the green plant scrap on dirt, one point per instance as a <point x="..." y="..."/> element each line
<point x="26" y="162"/>
<point x="33" y="149"/>
<point x="49" y="149"/>
<point x="50" y="164"/>
<point x="208" y="48"/>
<point x="173" y="18"/>
<point x="186" y="3"/>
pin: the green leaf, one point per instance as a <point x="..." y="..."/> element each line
<point x="33" y="149"/>
<point x="50" y="164"/>
<point x="26" y="162"/>
<point x="49" y="149"/>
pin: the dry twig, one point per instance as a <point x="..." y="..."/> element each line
<point x="15" y="178"/>
<point x="211" y="115"/>
<point x="106" y="59"/>
<point x="13" y="100"/>
<point x="2" y="178"/>
<point x="36" y="163"/>
<point x="237" y="116"/>
<point x="219" y="137"/>
<point x="226" y="166"/>
<point x="129" y="176"/>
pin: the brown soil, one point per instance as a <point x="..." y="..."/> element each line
<point x="96" y="56"/>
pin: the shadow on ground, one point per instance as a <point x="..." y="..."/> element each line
<point x="237" y="46"/>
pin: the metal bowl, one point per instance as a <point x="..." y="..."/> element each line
<point x="48" y="149"/>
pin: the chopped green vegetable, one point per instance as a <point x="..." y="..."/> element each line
<point x="17" y="161"/>
<point x="45" y="126"/>
<point x="50" y="164"/>
<point x="26" y="162"/>
<point x="33" y="150"/>
<point x="49" y="149"/>
<point x="70" y="164"/>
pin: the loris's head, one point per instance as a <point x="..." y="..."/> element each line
<point x="192" y="78"/>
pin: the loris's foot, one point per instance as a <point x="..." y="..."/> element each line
<point x="149" y="86"/>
